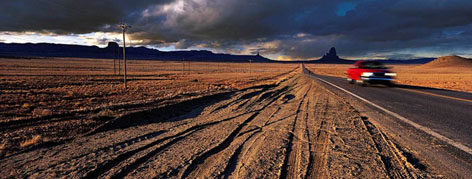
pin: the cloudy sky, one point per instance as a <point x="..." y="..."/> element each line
<point x="280" y="29"/>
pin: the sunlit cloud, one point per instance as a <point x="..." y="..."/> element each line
<point x="100" y="38"/>
<point x="95" y="38"/>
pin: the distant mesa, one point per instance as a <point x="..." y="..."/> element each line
<point x="112" y="45"/>
<point x="29" y="50"/>
<point x="453" y="61"/>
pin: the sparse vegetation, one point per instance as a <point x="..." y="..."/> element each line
<point x="32" y="141"/>
<point x="2" y="149"/>
<point x="104" y="114"/>
<point x="62" y="98"/>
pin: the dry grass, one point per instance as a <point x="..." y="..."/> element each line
<point x="33" y="141"/>
<point x="338" y="70"/>
<point x="87" y="93"/>
<point x="44" y="87"/>
<point x="2" y="149"/>
<point x="455" y="78"/>
<point x="103" y="115"/>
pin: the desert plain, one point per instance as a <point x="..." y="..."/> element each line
<point x="66" y="117"/>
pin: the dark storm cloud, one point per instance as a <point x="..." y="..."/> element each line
<point x="227" y="19"/>
<point x="402" y="20"/>
<point x="370" y="26"/>
<point x="68" y="16"/>
<point x="299" y="29"/>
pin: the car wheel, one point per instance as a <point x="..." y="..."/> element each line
<point x="351" y="81"/>
<point x="362" y="83"/>
<point x="391" y="84"/>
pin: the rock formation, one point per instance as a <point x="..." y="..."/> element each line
<point x="112" y="45"/>
<point x="331" y="54"/>
<point x="332" y="58"/>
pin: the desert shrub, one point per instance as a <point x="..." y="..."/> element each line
<point x="34" y="140"/>
<point x="41" y="112"/>
<point x="104" y="114"/>
<point x="2" y="149"/>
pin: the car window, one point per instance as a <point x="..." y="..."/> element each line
<point x="373" y="65"/>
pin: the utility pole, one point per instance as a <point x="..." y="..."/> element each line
<point x="119" y="62"/>
<point x="183" y="66"/>
<point x="123" y="29"/>
<point x="114" y="61"/>
<point x="250" y="67"/>
<point x="188" y="67"/>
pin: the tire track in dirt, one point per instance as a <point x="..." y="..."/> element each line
<point x="394" y="167"/>
<point x="319" y="154"/>
<point x="104" y="151"/>
<point x="194" y="167"/>
<point x="126" y="144"/>
<point x="245" y="152"/>
<point x="114" y="147"/>
<point x="171" y="140"/>
<point x="309" y="127"/>
<point x="291" y="164"/>
<point x="244" y="97"/>
<point x="174" y="139"/>
<point x="131" y="167"/>
<point x="252" y="141"/>
<point x="234" y="159"/>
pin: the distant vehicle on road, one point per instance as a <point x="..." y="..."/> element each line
<point x="370" y="72"/>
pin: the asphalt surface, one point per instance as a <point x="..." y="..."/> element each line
<point x="446" y="112"/>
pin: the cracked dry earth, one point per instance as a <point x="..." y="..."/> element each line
<point x="294" y="128"/>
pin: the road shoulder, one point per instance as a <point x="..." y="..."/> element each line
<point x="419" y="150"/>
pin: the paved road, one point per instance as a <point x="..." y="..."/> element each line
<point x="446" y="112"/>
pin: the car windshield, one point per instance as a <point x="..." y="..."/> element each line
<point x="372" y="65"/>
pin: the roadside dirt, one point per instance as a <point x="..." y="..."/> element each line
<point x="293" y="128"/>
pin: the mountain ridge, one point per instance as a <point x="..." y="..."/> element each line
<point x="29" y="50"/>
<point x="45" y="50"/>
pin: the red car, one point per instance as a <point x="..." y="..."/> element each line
<point x="370" y="72"/>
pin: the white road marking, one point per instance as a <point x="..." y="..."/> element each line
<point x="414" y="124"/>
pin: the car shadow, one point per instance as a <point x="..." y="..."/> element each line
<point x="422" y="88"/>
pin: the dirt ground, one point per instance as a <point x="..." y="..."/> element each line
<point x="44" y="102"/>
<point x="290" y="126"/>
<point x="457" y="78"/>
